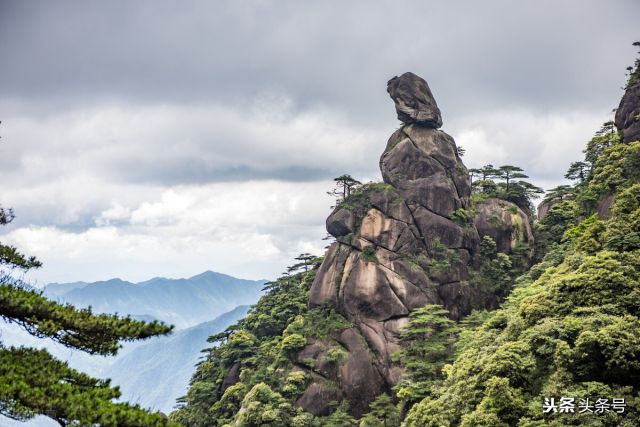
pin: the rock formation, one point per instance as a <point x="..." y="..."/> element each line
<point x="504" y="222"/>
<point x="627" y="118"/>
<point x="401" y="244"/>
<point x="543" y="209"/>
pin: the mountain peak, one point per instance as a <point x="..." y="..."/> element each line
<point x="208" y="275"/>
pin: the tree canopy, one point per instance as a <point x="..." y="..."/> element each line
<point x="33" y="382"/>
<point x="505" y="182"/>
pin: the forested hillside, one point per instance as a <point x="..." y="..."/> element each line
<point x="398" y="324"/>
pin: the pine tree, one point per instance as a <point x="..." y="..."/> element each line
<point x="33" y="382"/>
<point x="559" y="193"/>
<point x="382" y="413"/>
<point x="509" y="173"/>
<point x="484" y="173"/>
<point x="429" y="336"/>
<point x="345" y="184"/>
<point x="306" y="262"/>
<point x="578" y="171"/>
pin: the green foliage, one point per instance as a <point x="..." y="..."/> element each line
<point x="634" y="71"/>
<point x="336" y="355"/>
<point x="622" y="232"/>
<point x="295" y="384"/>
<point x="359" y="200"/>
<point x="440" y="257"/>
<point x="369" y="254"/>
<point x="578" y="171"/>
<point x="462" y="217"/>
<point x="293" y="342"/>
<point x="571" y="325"/>
<point x="32" y="382"/>
<point x="616" y="167"/>
<point x="322" y="321"/>
<point x="559" y="193"/>
<point x="262" y="406"/>
<point x="566" y="328"/>
<point x="77" y="328"/>
<point x="552" y="228"/>
<point x="505" y="183"/>
<point x="263" y="348"/>
<point x="428" y="339"/>
<point x="605" y="137"/>
<point x="340" y="417"/>
<point x="493" y="278"/>
<point x="382" y="413"/>
<point x="345" y="185"/>
<point x="305" y="262"/>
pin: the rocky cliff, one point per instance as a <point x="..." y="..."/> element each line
<point x="627" y="118"/>
<point x="401" y="244"/>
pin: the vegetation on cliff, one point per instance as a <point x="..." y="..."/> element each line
<point x="568" y="331"/>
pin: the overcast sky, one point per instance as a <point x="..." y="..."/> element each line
<point x="165" y="138"/>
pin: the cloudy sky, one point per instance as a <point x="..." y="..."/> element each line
<point x="165" y="138"/>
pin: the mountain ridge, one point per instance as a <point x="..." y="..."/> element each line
<point x="194" y="300"/>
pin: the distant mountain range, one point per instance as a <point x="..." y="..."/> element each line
<point x="154" y="372"/>
<point x="180" y="302"/>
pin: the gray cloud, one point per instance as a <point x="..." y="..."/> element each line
<point x="108" y="107"/>
<point x="475" y="54"/>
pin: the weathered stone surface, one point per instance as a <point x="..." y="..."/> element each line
<point x="392" y="204"/>
<point x="383" y="231"/>
<point x="232" y="377"/>
<point x="456" y="297"/>
<point x="314" y="357"/>
<point x="504" y="222"/>
<point x="604" y="206"/>
<point x="435" y="227"/>
<point x="359" y="378"/>
<point x="365" y="291"/>
<point x="408" y="281"/>
<point x="404" y="161"/>
<point x="313" y="351"/>
<point x="434" y="144"/>
<point x="398" y="249"/>
<point x="414" y="101"/>
<point x="543" y="209"/>
<point x="324" y="287"/>
<point x="317" y="398"/>
<point x="628" y="113"/>
<point x="423" y="164"/>
<point x="341" y="222"/>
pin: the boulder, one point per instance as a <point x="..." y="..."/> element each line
<point x="365" y="291"/>
<point x="383" y="231"/>
<point x="504" y="222"/>
<point x="232" y="377"/>
<point x="414" y="101"/>
<point x="423" y="164"/>
<point x="317" y="398"/>
<point x="543" y="209"/>
<point x="341" y="222"/>
<point x="358" y="376"/>
<point x="324" y="287"/>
